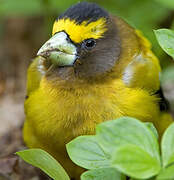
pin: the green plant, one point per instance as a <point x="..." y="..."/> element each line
<point x="124" y="146"/>
<point x="165" y="38"/>
<point x="44" y="161"/>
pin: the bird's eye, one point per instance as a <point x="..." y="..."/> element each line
<point x="89" y="44"/>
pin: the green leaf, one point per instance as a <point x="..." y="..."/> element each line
<point x="135" y="162"/>
<point x="45" y="162"/>
<point x="152" y="128"/>
<point x="127" y="130"/>
<point x="102" y="174"/>
<point x="167" y="146"/>
<point x="166" y="173"/>
<point x="165" y="38"/>
<point x="87" y="153"/>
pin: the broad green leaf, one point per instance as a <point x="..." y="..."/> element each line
<point x="152" y="128"/>
<point x="102" y="174"/>
<point x="86" y="152"/>
<point x="165" y="38"/>
<point x="166" y="173"/>
<point x="135" y="162"/>
<point x="167" y="146"/>
<point x="127" y="130"/>
<point x="45" y="162"/>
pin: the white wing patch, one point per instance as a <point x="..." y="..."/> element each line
<point x="128" y="74"/>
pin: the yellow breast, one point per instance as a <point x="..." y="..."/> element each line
<point x="60" y="114"/>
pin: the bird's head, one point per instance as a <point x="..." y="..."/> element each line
<point x="84" y="43"/>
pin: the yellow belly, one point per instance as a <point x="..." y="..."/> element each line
<point x="54" y="115"/>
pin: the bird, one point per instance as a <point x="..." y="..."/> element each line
<point x="94" y="68"/>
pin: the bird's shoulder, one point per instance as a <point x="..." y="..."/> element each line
<point x="34" y="76"/>
<point x="143" y="71"/>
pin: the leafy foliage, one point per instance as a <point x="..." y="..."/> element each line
<point x="132" y="145"/>
<point x="167" y="146"/>
<point x="165" y="38"/>
<point x="95" y="156"/>
<point x="112" y="134"/>
<point x="152" y="128"/>
<point x="135" y="162"/>
<point x="166" y="173"/>
<point x="102" y="174"/>
<point x="45" y="162"/>
<point x="106" y="160"/>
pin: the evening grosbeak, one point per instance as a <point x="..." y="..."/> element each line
<point x="94" y="68"/>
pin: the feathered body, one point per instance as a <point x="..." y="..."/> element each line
<point x="63" y="106"/>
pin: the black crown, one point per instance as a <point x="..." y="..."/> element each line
<point x="84" y="11"/>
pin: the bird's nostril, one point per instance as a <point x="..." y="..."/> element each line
<point x="44" y="54"/>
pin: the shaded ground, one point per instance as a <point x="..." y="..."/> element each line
<point x="11" y="167"/>
<point x="19" y="44"/>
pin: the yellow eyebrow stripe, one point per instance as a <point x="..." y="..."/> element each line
<point x="80" y="32"/>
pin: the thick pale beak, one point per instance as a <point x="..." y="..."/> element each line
<point x="59" y="50"/>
